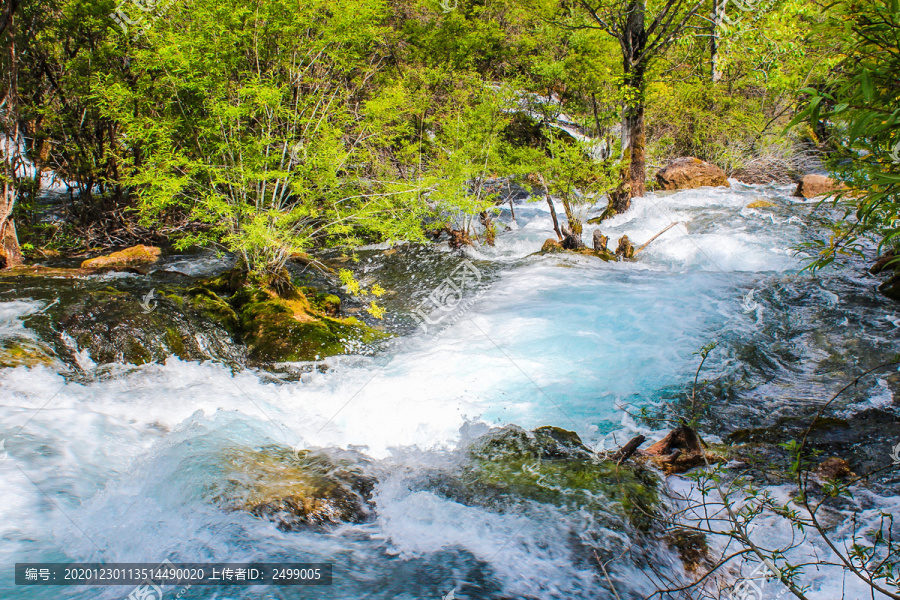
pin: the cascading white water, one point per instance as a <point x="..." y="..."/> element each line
<point x="114" y="466"/>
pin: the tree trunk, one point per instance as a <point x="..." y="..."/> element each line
<point x="633" y="43"/>
<point x="552" y="208"/>
<point x="718" y="14"/>
<point x="10" y="253"/>
<point x="637" y="166"/>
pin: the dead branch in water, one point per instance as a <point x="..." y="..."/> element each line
<point x="647" y="243"/>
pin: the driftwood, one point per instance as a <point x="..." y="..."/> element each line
<point x="647" y="243"/>
<point x="625" y="452"/>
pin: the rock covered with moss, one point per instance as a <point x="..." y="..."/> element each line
<point x="134" y="257"/>
<point x="232" y="318"/>
<point x="23" y="353"/>
<point x="117" y="326"/>
<point x="294" y="490"/>
<point x="279" y="322"/>
<point x="552" y="466"/>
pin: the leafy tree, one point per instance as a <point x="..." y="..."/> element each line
<point x="862" y="106"/>
<point x="642" y="38"/>
<point x="243" y="117"/>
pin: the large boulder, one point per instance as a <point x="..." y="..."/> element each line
<point x="222" y="318"/>
<point x="134" y="257"/>
<point x="812" y="186"/>
<point x="689" y="173"/>
<point x="112" y="325"/>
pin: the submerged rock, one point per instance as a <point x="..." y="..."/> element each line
<point x="692" y="547"/>
<point x="42" y="271"/>
<point x="690" y="173"/>
<point x="549" y="465"/>
<point x="136" y="256"/>
<point x="294" y="490"/>
<point x="761" y="204"/>
<point x="834" y="468"/>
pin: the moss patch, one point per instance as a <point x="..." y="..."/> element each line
<point x="551" y="466"/>
<point x="288" y="327"/>
<point x="17" y="353"/>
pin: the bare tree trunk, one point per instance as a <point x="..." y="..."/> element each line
<point x="10" y="253"/>
<point x="718" y="13"/>
<point x="552" y="208"/>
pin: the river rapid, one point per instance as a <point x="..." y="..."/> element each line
<point x="112" y="463"/>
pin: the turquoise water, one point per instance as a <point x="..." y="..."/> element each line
<point x="116" y="464"/>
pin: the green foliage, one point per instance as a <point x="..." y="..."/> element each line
<point x="268" y="128"/>
<point x="241" y="117"/>
<point x="863" y="107"/>
<point x="576" y="177"/>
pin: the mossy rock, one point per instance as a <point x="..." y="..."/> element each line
<point x="229" y="318"/>
<point x="294" y="491"/>
<point x="39" y="271"/>
<point x="551" y="246"/>
<point x="604" y="255"/>
<point x="551" y="466"/>
<point x="761" y="204"/>
<point x="288" y="328"/>
<point x="22" y="353"/>
<point x="205" y="301"/>
<point x="329" y="304"/>
<point x="136" y="256"/>
<point x="117" y="326"/>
